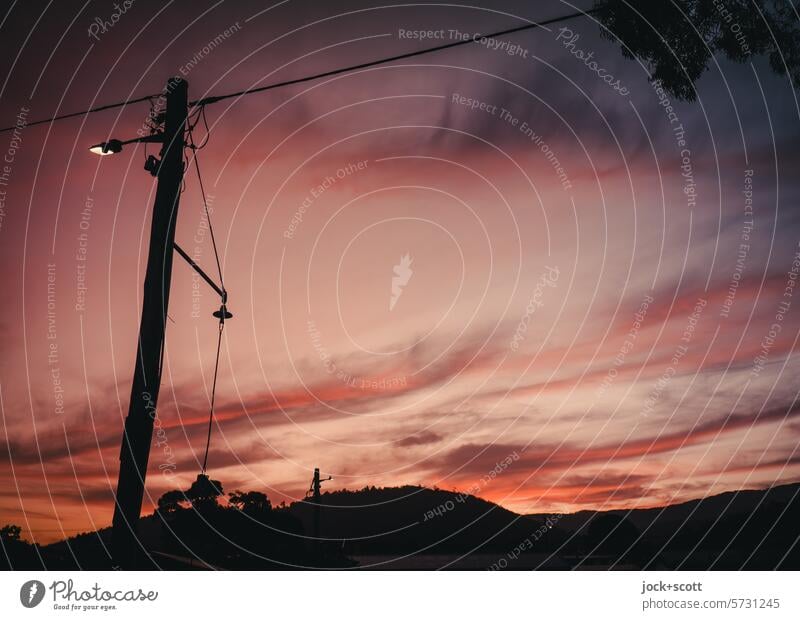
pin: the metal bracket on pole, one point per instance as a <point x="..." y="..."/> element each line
<point x="223" y="294"/>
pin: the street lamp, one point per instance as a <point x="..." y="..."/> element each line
<point x="115" y="146"/>
<point x="106" y="148"/>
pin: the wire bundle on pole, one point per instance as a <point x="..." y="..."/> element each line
<point x="222" y="314"/>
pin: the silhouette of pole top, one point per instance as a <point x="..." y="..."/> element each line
<point x="316" y="484"/>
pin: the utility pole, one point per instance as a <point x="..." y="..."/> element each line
<point x="138" y="433"/>
<point x="316" y="498"/>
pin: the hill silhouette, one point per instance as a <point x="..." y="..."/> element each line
<point x="418" y="527"/>
<point x="412" y="519"/>
<point x="754" y="530"/>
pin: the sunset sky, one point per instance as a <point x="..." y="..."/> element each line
<point x="601" y="292"/>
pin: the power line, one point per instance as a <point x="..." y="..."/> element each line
<point x="60" y="117"/>
<point x="249" y="91"/>
<point x="372" y="63"/>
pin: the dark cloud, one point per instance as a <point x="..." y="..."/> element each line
<point x="419" y="439"/>
<point x="475" y="460"/>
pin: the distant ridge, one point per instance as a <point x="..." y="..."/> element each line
<point x="418" y="527"/>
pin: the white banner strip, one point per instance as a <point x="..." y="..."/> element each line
<point x="400" y="595"/>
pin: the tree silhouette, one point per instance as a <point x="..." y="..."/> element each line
<point x="676" y="39"/>
<point x="15" y="552"/>
<point x="10" y="533"/>
<point x="171" y="501"/>
<point x="204" y="492"/>
<point x="250" y="502"/>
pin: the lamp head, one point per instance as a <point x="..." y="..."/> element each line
<point x="106" y="148"/>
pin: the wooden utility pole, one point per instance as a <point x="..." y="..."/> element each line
<point x="138" y="434"/>
<point x="316" y="498"/>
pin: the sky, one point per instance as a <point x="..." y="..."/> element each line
<point x="486" y="269"/>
